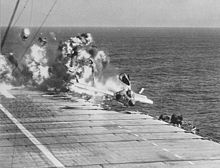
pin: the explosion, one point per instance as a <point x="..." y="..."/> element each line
<point x="5" y="70"/>
<point x="36" y="62"/>
<point x="82" y="61"/>
<point x="78" y="66"/>
<point x="78" y="60"/>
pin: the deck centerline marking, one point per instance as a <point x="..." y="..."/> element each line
<point x="34" y="140"/>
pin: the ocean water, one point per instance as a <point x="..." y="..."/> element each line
<point x="178" y="67"/>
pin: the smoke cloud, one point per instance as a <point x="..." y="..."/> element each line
<point x="75" y="60"/>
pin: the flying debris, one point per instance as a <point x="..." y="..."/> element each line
<point x="141" y="91"/>
<point x="42" y="41"/>
<point x="25" y="33"/>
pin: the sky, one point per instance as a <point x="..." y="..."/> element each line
<point x="115" y="13"/>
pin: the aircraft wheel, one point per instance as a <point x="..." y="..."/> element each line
<point x="131" y="103"/>
<point x="118" y="96"/>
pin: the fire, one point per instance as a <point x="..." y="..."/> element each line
<point x="36" y="62"/>
<point x="77" y="60"/>
<point x="5" y="70"/>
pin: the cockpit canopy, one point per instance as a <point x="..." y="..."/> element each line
<point x="125" y="78"/>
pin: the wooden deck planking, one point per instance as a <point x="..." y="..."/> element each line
<point x="87" y="136"/>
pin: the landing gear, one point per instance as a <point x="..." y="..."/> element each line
<point x="125" y="97"/>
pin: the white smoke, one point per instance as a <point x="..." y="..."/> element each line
<point x="77" y="60"/>
<point x="91" y="65"/>
<point x="36" y="62"/>
<point x="5" y="70"/>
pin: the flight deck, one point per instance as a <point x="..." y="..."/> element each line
<point x="45" y="130"/>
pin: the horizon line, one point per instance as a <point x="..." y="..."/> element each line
<point x="63" y="26"/>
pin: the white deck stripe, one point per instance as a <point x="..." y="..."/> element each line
<point x="165" y="149"/>
<point x="154" y="144"/>
<point x="34" y="140"/>
<point x="178" y="156"/>
<point x="6" y="94"/>
<point x="190" y="162"/>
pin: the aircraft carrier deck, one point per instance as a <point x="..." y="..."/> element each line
<point x="39" y="130"/>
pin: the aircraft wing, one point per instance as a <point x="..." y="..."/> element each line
<point x="137" y="97"/>
<point x="142" y="98"/>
